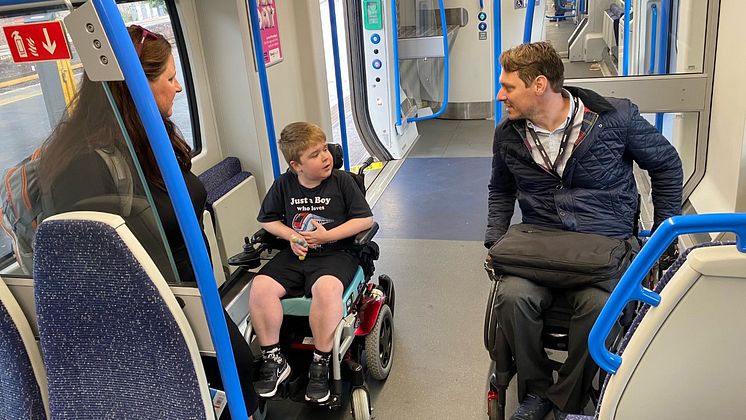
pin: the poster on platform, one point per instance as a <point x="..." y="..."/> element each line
<point x="267" y="10"/>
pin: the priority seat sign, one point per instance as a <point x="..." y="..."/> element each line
<point x="37" y="42"/>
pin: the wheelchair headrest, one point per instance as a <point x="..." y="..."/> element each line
<point x="337" y="154"/>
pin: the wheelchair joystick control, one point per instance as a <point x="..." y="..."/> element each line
<point x="302" y="242"/>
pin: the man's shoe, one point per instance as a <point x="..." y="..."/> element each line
<point x="559" y="414"/>
<point x="273" y="371"/>
<point x="318" y="382"/>
<point x="532" y="408"/>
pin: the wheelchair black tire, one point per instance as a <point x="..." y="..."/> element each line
<point x="379" y="359"/>
<point x="490" y="320"/>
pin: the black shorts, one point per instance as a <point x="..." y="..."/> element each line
<point x="298" y="277"/>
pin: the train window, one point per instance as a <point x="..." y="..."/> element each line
<point x="666" y="37"/>
<point x="35" y="110"/>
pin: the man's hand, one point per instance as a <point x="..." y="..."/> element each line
<point x="317" y="237"/>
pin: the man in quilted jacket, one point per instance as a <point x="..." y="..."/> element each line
<point x="566" y="155"/>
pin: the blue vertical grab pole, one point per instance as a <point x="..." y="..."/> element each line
<point x="529" y="22"/>
<point x="152" y="121"/>
<point x="496" y="51"/>
<point x="338" y="78"/>
<point x="627" y="10"/>
<point x="653" y="37"/>
<point x="269" y="119"/>
<point x="395" y="48"/>
<point x="663" y="52"/>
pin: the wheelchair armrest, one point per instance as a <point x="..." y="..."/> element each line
<point x="261" y="236"/>
<point x="367" y="235"/>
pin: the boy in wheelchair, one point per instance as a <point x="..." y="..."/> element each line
<point x="318" y="210"/>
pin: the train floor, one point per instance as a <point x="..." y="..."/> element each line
<point x="432" y="217"/>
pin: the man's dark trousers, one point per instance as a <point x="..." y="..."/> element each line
<point x="520" y="304"/>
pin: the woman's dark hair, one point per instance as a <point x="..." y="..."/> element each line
<point x="89" y="122"/>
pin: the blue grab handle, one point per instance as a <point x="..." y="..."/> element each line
<point x="630" y="286"/>
<point x="121" y="44"/>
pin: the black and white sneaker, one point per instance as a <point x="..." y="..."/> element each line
<point x="318" y="382"/>
<point x="273" y="371"/>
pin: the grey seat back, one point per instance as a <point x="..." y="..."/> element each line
<point x="23" y="385"/>
<point x="115" y="341"/>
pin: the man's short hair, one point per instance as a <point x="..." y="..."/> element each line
<point x="297" y="137"/>
<point x="533" y="60"/>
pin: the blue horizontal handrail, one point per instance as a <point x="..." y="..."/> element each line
<point x="338" y="78"/>
<point x="446" y="68"/>
<point x="529" y="22"/>
<point x="630" y="286"/>
<point x="269" y="119"/>
<point x="496" y="52"/>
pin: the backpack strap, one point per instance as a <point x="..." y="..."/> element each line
<point x="122" y="177"/>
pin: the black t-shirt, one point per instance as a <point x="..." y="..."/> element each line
<point x="333" y="202"/>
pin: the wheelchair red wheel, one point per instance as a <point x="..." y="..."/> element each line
<point x="379" y="345"/>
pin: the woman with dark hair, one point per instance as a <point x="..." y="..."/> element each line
<point x="87" y="152"/>
<point x="80" y="148"/>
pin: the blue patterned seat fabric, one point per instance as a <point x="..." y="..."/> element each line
<point x="644" y="310"/>
<point x="111" y="345"/>
<point x="222" y="178"/>
<point x="20" y="397"/>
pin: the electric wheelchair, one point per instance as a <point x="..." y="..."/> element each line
<point x="363" y="341"/>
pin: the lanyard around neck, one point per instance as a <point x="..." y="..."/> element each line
<point x="563" y="143"/>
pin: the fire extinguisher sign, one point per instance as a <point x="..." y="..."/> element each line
<point x="37" y="42"/>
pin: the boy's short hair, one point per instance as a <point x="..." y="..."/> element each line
<point x="297" y="137"/>
<point x="533" y="60"/>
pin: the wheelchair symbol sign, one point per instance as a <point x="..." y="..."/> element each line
<point x="521" y="4"/>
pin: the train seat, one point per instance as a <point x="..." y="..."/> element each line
<point x="116" y="343"/>
<point x="233" y="203"/>
<point x="23" y="381"/>
<point x="683" y="358"/>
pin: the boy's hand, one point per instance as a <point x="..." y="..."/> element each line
<point x="317" y="237"/>
<point x="298" y="248"/>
